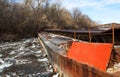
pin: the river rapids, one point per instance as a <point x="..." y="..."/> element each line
<point x="25" y="58"/>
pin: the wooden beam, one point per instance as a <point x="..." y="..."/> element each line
<point x="74" y="35"/>
<point x="113" y="35"/>
<point x="89" y="35"/>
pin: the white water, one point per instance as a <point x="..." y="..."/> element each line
<point x="21" y="55"/>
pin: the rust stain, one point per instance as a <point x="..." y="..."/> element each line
<point x="73" y="68"/>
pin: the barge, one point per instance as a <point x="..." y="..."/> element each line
<point x="75" y="58"/>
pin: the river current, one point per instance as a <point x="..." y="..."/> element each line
<point x="25" y="58"/>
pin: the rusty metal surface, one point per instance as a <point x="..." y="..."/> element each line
<point x="85" y="31"/>
<point x="96" y="35"/>
<point x="91" y="53"/>
<point x="72" y="68"/>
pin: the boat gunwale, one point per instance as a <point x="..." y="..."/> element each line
<point x="90" y="69"/>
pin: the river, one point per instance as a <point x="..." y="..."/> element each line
<point x="25" y="58"/>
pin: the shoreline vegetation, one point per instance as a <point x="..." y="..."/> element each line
<point x="27" y="19"/>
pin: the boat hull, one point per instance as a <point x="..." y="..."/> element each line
<point x="69" y="67"/>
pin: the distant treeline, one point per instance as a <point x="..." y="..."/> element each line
<point x="18" y="20"/>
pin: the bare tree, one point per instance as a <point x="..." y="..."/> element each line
<point x="32" y="16"/>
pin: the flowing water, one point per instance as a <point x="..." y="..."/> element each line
<point x="24" y="59"/>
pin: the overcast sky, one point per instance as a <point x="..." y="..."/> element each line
<point x="101" y="11"/>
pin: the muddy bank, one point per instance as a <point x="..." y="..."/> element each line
<point x="8" y="37"/>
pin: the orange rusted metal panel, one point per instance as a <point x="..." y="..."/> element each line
<point x="94" y="54"/>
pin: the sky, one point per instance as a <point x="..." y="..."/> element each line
<point x="100" y="11"/>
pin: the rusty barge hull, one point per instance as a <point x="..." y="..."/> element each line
<point x="68" y="67"/>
